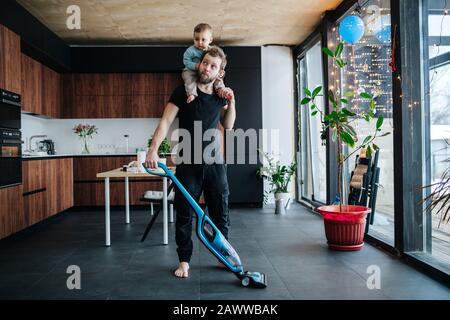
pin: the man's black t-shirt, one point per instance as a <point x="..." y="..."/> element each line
<point x="205" y="108"/>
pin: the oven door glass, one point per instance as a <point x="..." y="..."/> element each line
<point x="10" y="151"/>
<point x="10" y="165"/>
<point x="10" y="116"/>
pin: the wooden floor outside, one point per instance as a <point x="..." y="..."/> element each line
<point x="440" y="233"/>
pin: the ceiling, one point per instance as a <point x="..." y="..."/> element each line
<point x="166" y="22"/>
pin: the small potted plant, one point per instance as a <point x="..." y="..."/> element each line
<point x="164" y="149"/>
<point x="278" y="177"/>
<point x="344" y="224"/>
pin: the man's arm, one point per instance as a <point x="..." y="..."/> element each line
<point x="228" y="115"/>
<point x="170" y="112"/>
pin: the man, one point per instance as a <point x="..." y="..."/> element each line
<point x="200" y="177"/>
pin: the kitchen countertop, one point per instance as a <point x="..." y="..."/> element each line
<point x="47" y="156"/>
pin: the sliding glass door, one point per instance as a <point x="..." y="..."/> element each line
<point x="368" y="70"/>
<point x="311" y="152"/>
<point x="436" y="124"/>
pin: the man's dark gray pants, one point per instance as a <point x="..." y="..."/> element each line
<point x="212" y="180"/>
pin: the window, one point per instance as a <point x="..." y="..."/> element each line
<point x="368" y="71"/>
<point x="312" y="152"/>
<point x="437" y="122"/>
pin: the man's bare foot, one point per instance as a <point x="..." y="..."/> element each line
<point x="190" y="98"/>
<point x="221" y="265"/>
<point x="182" y="270"/>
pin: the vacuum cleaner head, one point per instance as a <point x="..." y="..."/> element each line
<point x="253" y="279"/>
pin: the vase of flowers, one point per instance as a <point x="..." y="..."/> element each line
<point x="85" y="132"/>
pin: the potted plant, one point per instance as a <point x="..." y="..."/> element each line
<point x="344" y="224"/>
<point x="279" y="177"/>
<point x="164" y="149"/>
<point x="437" y="201"/>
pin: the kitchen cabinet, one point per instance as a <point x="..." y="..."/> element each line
<point x="41" y="88"/>
<point x="31" y="85"/>
<point x="51" y="93"/>
<point x="148" y="106"/>
<point x="147" y="83"/>
<point x="117" y="95"/>
<point x="34" y="191"/>
<point x="33" y="175"/>
<point x="35" y="207"/>
<point x="90" y="191"/>
<point x="47" y="188"/>
<point x="100" y="84"/>
<point x="10" y="61"/>
<point x="59" y="183"/>
<point x="11" y="210"/>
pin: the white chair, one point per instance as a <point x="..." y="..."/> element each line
<point x="157" y="197"/>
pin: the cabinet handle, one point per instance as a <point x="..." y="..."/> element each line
<point x="34" y="191"/>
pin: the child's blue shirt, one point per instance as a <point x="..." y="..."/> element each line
<point x="191" y="57"/>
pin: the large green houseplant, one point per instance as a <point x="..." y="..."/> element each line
<point x="278" y="176"/>
<point x="340" y="123"/>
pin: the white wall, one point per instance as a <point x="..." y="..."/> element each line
<point x="278" y="104"/>
<point x="110" y="137"/>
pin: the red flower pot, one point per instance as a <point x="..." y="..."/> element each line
<point x="344" y="226"/>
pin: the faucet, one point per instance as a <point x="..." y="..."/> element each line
<point x="32" y="137"/>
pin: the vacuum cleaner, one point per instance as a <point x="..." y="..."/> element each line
<point x="212" y="238"/>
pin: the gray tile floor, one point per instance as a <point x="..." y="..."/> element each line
<point x="290" y="249"/>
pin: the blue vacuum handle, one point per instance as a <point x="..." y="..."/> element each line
<point x="169" y="174"/>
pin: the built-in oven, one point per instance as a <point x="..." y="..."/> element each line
<point x="10" y="157"/>
<point x="10" y="110"/>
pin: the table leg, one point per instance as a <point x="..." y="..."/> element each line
<point x="107" y="214"/>
<point x="127" y="200"/>
<point x="165" y="222"/>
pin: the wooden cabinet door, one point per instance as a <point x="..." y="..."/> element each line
<point x="114" y="84"/>
<point x="147" y="83"/>
<point x="51" y="92"/>
<point x="51" y="181"/>
<point x="35" y="207"/>
<point x="10" y="61"/>
<point x="112" y="106"/>
<point x="11" y="210"/>
<point x="90" y="191"/>
<point x="33" y="173"/>
<point x="171" y="82"/>
<point x="59" y="180"/>
<point x="31" y="85"/>
<point x="34" y="191"/>
<point x="147" y="106"/>
<point x="118" y="95"/>
<point x="65" y="182"/>
<point x="55" y="102"/>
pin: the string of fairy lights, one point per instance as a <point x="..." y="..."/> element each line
<point x="370" y="66"/>
<point x="367" y="70"/>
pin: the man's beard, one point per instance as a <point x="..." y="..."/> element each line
<point x="204" y="79"/>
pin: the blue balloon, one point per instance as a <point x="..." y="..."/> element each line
<point x="351" y="29"/>
<point x="384" y="35"/>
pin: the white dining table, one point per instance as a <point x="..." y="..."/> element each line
<point x="126" y="175"/>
